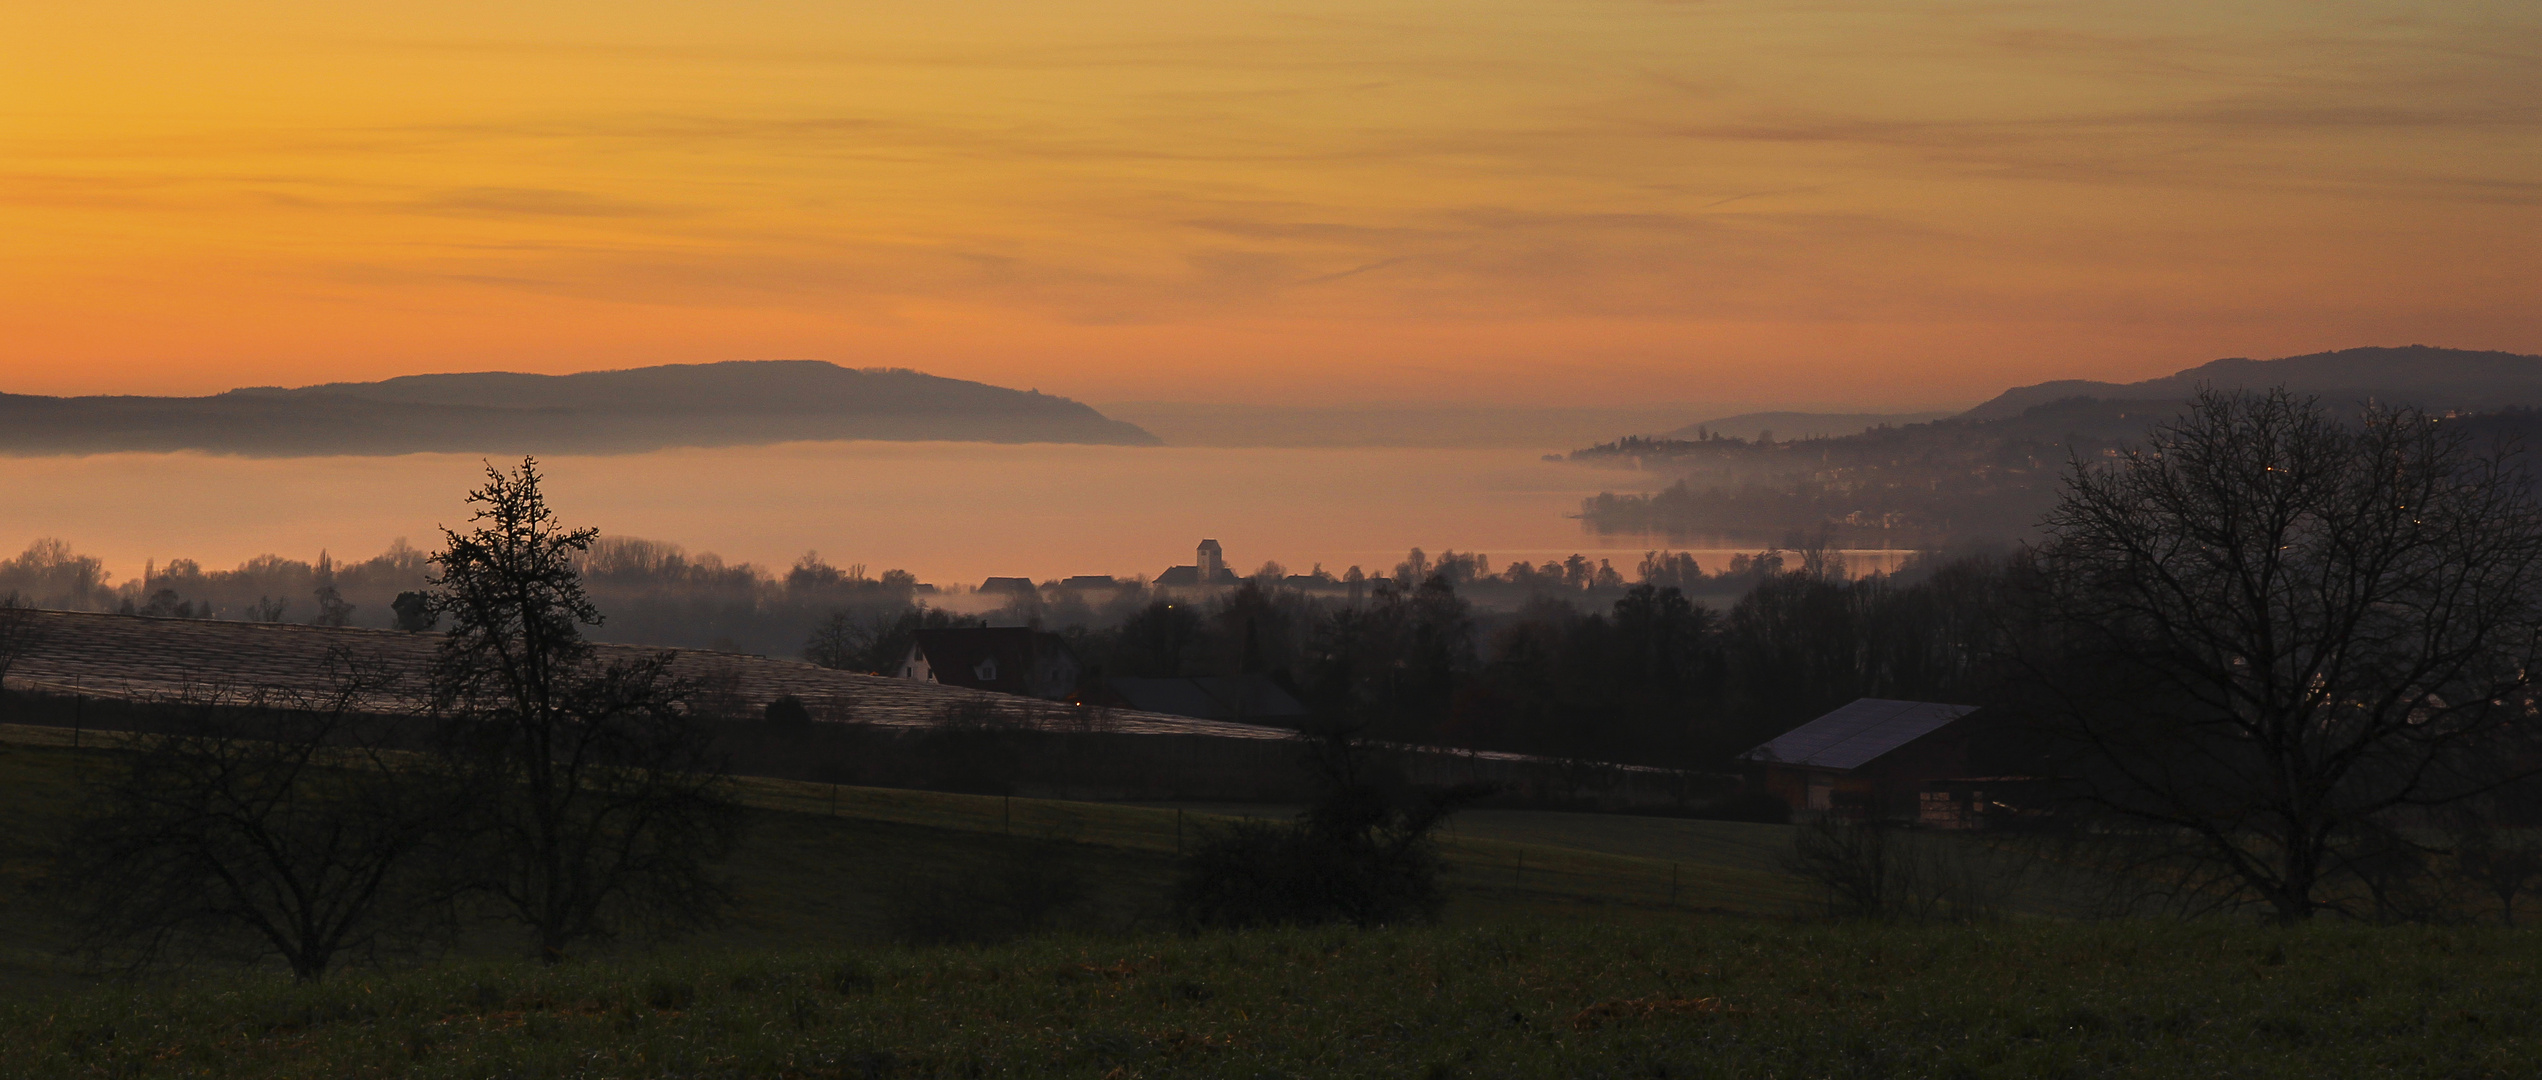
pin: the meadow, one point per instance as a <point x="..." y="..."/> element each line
<point x="1575" y="945"/>
<point x="1708" y="996"/>
<point x="830" y="866"/>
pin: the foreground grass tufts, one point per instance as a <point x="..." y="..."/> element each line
<point x="1714" y="999"/>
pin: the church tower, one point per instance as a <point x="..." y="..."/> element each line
<point x="1211" y="562"/>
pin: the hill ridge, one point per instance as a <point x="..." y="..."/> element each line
<point x="723" y="403"/>
<point x="2428" y="376"/>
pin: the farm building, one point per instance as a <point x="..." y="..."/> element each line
<point x="1251" y="699"/>
<point x="1904" y="760"/>
<point x="1006" y="659"/>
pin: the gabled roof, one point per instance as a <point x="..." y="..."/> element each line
<point x="1853" y="736"/>
<point x="1190" y="575"/>
<point x="1249" y="697"/>
<point x="1001" y="658"/>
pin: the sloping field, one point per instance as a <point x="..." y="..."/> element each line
<point x="154" y="659"/>
<point x="140" y="657"/>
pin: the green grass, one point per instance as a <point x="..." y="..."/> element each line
<point x="1562" y="955"/>
<point x="821" y="864"/>
<point x="1708" y="997"/>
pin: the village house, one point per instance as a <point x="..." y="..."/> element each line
<point x="1005" y="659"/>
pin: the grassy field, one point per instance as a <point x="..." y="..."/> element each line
<point x="1564" y="953"/>
<point x="823" y="866"/>
<point x="1707" y="997"/>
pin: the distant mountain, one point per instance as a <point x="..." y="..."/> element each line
<point x="726" y="404"/>
<point x="1799" y="425"/>
<point x="2421" y="375"/>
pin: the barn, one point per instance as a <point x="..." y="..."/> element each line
<point x="1918" y="761"/>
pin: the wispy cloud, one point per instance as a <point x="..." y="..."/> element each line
<point x="534" y="202"/>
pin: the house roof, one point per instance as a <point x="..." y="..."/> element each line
<point x="1190" y="575"/>
<point x="1210" y="698"/>
<point x="1854" y="736"/>
<point x="958" y="653"/>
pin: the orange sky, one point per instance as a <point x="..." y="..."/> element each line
<point x="1897" y="203"/>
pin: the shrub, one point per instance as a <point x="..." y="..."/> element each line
<point x="1362" y="854"/>
<point x="788" y="712"/>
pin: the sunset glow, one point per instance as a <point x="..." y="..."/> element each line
<point x="1878" y="203"/>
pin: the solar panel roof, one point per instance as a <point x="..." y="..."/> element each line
<point x="1855" y="735"/>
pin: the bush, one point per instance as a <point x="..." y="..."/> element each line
<point x="788" y="713"/>
<point x="1258" y="874"/>
<point x="1362" y="854"/>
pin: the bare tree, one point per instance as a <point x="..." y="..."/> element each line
<point x="332" y="608"/>
<point x="2275" y="636"/>
<point x="600" y="805"/>
<point x="265" y="824"/>
<point x="20" y="634"/>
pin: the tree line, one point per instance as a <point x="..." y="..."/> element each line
<point x="656" y="593"/>
<point x="1646" y="673"/>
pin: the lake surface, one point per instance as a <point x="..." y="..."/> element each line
<point x="953" y="513"/>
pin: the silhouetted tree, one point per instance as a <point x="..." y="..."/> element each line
<point x="414" y="612"/>
<point x="876" y="642"/>
<point x="599" y="803"/>
<point x="1163" y="640"/>
<point x="2269" y="632"/>
<point x="332" y="608"/>
<point x="20" y="634"/>
<point x="264" y="824"/>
